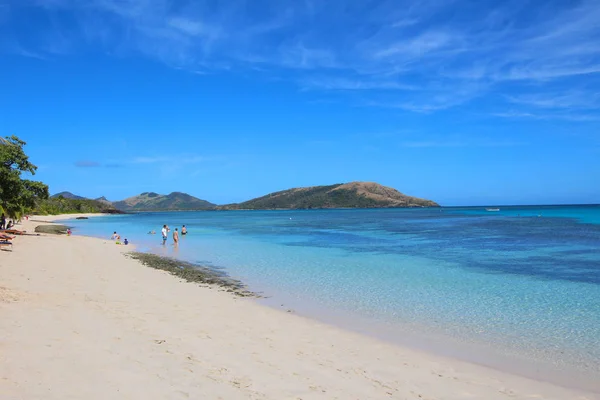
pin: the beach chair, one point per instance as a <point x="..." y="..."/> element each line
<point x="13" y="232"/>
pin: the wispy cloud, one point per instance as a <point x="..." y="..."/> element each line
<point x="193" y="27"/>
<point x="423" y="45"/>
<point x="459" y="143"/>
<point x="4" y="13"/>
<point x="149" y="160"/>
<point x="423" y="54"/>
<point x="181" y="159"/>
<point x="565" y="116"/>
<point x="87" y="164"/>
<point x="142" y="161"/>
<point x="433" y="98"/>
<point x="349" y="84"/>
<point x="574" y="100"/>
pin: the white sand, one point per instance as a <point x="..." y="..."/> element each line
<point x="79" y="320"/>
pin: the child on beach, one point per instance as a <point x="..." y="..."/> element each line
<point x="176" y="237"/>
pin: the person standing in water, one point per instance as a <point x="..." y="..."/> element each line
<point x="164" y="233"/>
<point x="176" y="237"/>
<point x="184" y="230"/>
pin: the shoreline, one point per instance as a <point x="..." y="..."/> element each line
<point x="425" y="339"/>
<point x="530" y="365"/>
<point x="61" y="217"/>
<point x="274" y="346"/>
<point x="533" y="364"/>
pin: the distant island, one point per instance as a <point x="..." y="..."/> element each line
<point x="67" y="195"/>
<point x="150" y="201"/>
<point x="341" y="195"/>
<point x="69" y="203"/>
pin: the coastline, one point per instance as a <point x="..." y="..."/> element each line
<point x="146" y="334"/>
<point x="422" y="338"/>
<point x="62" y="217"/>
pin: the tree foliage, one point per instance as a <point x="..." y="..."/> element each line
<point x="18" y="195"/>
<point x="62" y="205"/>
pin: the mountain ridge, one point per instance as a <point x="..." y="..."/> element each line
<point x="174" y="201"/>
<point x="340" y="195"/>
<point x="68" y="195"/>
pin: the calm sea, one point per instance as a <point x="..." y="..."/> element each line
<point x="521" y="281"/>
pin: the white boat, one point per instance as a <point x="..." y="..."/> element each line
<point x="492" y="209"/>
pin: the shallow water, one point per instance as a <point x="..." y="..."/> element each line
<point x="523" y="280"/>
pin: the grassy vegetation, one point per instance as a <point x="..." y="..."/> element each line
<point x="317" y="197"/>
<point x="61" y="205"/>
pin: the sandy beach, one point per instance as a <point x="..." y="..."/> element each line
<point x="81" y="320"/>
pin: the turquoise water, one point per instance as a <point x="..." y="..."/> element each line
<point x="525" y="280"/>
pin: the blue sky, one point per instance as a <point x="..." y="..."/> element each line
<point x="463" y="102"/>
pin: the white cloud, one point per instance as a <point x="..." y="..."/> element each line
<point x="149" y="160"/>
<point x="457" y="143"/>
<point x="420" y="46"/>
<point x="182" y="159"/>
<point x="342" y="83"/>
<point x="574" y="100"/>
<point x="4" y="13"/>
<point x="573" y="117"/>
<point x="428" y="55"/>
<point x="191" y="27"/>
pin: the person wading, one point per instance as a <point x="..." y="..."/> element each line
<point x="164" y="234"/>
<point x="175" y="237"/>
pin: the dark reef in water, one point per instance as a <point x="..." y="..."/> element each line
<point x="54" y="229"/>
<point x="113" y="211"/>
<point x="193" y="273"/>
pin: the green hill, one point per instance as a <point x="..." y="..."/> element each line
<point x="150" y="201"/>
<point x="65" y="205"/>
<point x="67" y="195"/>
<point x="348" y="195"/>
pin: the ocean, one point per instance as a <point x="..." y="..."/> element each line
<point x="517" y="288"/>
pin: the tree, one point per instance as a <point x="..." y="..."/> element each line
<point x="17" y="195"/>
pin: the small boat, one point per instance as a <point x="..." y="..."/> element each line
<point x="492" y="209"/>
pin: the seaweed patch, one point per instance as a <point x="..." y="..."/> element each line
<point x="193" y="273"/>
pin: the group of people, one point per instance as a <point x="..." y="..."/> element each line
<point x="7" y="231"/>
<point x="165" y="234"/>
<point x="117" y="238"/>
<point x="4" y="225"/>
